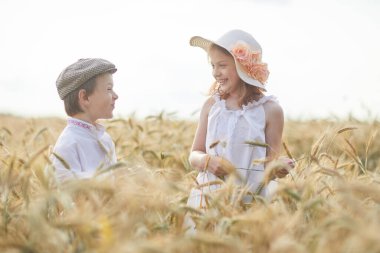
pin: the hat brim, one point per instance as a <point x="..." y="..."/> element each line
<point x="205" y="44"/>
<point x="198" y="41"/>
<point x="111" y="70"/>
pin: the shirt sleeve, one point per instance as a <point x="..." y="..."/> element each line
<point x="67" y="164"/>
<point x="114" y="158"/>
<point x="111" y="148"/>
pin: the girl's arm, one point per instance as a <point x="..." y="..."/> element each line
<point x="273" y="135"/>
<point x="273" y="129"/>
<point x="198" y="154"/>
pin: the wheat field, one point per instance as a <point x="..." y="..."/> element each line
<point x="328" y="203"/>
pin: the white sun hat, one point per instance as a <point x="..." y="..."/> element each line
<point x="246" y="52"/>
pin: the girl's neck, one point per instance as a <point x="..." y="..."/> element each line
<point x="232" y="102"/>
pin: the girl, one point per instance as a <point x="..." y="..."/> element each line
<point x="239" y="126"/>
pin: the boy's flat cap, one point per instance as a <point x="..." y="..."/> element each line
<point x="72" y="77"/>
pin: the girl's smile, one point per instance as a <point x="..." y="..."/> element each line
<point x="224" y="70"/>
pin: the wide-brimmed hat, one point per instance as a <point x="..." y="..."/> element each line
<point x="246" y="52"/>
<point x="73" y="76"/>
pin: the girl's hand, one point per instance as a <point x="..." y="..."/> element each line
<point x="288" y="165"/>
<point x="219" y="166"/>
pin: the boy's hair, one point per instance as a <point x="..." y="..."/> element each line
<point x="71" y="101"/>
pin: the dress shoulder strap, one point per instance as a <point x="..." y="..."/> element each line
<point x="261" y="101"/>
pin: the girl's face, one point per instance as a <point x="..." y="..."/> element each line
<point x="224" y="71"/>
<point x="102" y="99"/>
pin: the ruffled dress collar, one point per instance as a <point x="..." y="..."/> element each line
<point x="222" y="103"/>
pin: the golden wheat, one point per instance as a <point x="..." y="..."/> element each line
<point x="328" y="203"/>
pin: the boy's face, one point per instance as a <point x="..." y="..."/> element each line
<point x="102" y="100"/>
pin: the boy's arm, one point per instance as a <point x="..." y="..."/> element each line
<point x="67" y="164"/>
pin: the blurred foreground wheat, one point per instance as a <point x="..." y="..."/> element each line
<point x="329" y="202"/>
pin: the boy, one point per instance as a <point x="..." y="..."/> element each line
<point x="86" y="87"/>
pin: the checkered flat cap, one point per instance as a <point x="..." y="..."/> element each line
<point x="72" y="77"/>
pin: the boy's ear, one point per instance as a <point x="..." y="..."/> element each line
<point x="82" y="96"/>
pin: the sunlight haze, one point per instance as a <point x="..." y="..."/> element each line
<point x="322" y="55"/>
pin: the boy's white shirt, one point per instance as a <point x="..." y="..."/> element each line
<point x="85" y="148"/>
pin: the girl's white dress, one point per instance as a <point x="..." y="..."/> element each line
<point x="231" y="129"/>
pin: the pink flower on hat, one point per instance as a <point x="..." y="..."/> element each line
<point x="258" y="71"/>
<point x="251" y="61"/>
<point x="243" y="53"/>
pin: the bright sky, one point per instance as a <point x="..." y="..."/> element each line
<point x="323" y="55"/>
